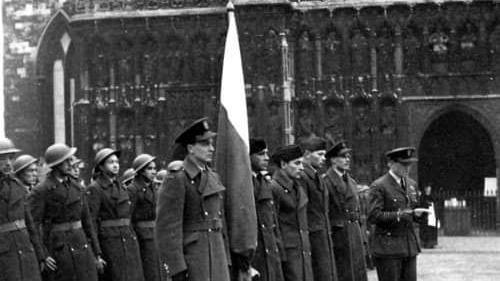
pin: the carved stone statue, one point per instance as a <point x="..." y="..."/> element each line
<point x="360" y="53"/>
<point x="332" y="59"/>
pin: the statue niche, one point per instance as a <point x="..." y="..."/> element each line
<point x="305" y="61"/>
<point x="439" y="45"/>
<point x="468" y="48"/>
<point x="360" y="53"/>
<point x="332" y="50"/>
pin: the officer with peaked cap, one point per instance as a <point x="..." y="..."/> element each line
<point x="21" y="251"/>
<point x="111" y="209"/>
<point x="344" y="213"/>
<point x="191" y="218"/>
<point x="143" y="195"/>
<point x="60" y="208"/>
<point x="25" y="169"/>
<point x="392" y="203"/>
<point x="323" y="257"/>
<point x="269" y="252"/>
<point x="291" y="203"/>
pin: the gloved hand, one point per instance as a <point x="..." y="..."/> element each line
<point x="406" y="215"/>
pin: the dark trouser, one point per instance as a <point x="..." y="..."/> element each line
<point x="396" y="269"/>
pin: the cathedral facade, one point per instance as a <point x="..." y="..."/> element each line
<point x="379" y="74"/>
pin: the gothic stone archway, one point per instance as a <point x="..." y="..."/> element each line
<point x="456" y="154"/>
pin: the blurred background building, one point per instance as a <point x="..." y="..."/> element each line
<point x="131" y="74"/>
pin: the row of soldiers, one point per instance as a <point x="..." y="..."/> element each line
<point x="59" y="229"/>
<point x="308" y="221"/>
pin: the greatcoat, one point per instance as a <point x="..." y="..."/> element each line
<point x="322" y="255"/>
<point x="110" y="201"/>
<point x="143" y="196"/>
<point x="291" y="203"/>
<point x="20" y="248"/>
<point x="59" y="203"/>
<point x="190" y="225"/>
<point x="344" y="213"/>
<point x="267" y="258"/>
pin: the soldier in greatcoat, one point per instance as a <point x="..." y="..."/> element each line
<point x="291" y="203"/>
<point x="269" y="252"/>
<point x="143" y="195"/>
<point x="190" y="224"/>
<point x="25" y="169"/>
<point x="392" y="202"/>
<point x="344" y="213"/>
<point x="323" y="257"/>
<point x="21" y="251"/>
<point x="60" y="209"/>
<point x="111" y="210"/>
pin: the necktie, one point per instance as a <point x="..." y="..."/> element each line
<point x="345" y="178"/>
<point x="403" y="184"/>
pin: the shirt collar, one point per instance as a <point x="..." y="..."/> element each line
<point x="338" y="172"/>
<point x="395" y="177"/>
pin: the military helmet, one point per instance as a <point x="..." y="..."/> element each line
<point x="22" y="162"/>
<point x="103" y="154"/>
<point x="7" y="146"/>
<point x="58" y="153"/>
<point x="141" y="161"/>
<point x="127" y="176"/>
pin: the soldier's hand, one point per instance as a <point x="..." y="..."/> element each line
<point x="406" y="215"/>
<point x="244" y="275"/>
<point x="100" y="263"/>
<point x="50" y="262"/>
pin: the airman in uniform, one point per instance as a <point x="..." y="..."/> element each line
<point x="344" y="213"/>
<point x="392" y="202"/>
<point x="268" y="255"/>
<point x="60" y="209"/>
<point x="21" y="251"/>
<point x="190" y="221"/>
<point x="143" y="195"/>
<point x="291" y="203"/>
<point x="111" y="209"/>
<point x="323" y="258"/>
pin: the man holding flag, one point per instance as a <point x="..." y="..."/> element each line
<point x="195" y="208"/>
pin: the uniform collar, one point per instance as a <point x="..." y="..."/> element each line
<point x="191" y="167"/>
<point x="104" y="181"/>
<point x="395" y="177"/>
<point x="309" y="170"/>
<point x="283" y="179"/>
<point x="338" y="172"/>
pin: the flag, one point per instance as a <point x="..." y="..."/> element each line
<point x="232" y="153"/>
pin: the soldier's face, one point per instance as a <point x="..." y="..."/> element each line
<point x="6" y="163"/>
<point x="316" y="158"/>
<point x="30" y="174"/>
<point x="203" y="151"/>
<point x="260" y="160"/>
<point x="149" y="171"/>
<point x="342" y="163"/>
<point x="293" y="168"/>
<point x="112" y="165"/>
<point x="64" y="168"/>
<point x="400" y="169"/>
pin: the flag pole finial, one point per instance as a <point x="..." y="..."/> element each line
<point x="230" y="6"/>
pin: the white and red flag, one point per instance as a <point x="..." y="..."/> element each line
<point x="232" y="153"/>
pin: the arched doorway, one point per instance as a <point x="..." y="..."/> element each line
<point x="455" y="155"/>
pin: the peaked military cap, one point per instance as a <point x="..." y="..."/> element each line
<point x="199" y="130"/>
<point x="257" y="145"/>
<point x="338" y="149"/>
<point x="313" y="144"/>
<point x="402" y="155"/>
<point x="287" y="153"/>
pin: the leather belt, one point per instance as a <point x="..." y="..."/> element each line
<point x="208" y="225"/>
<point x="67" y="226"/>
<point x="145" y="224"/>
<point x="12" y="226"/>
<point x="114" y="223"/>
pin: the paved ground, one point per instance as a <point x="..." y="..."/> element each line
<point x="459" y="259"/>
